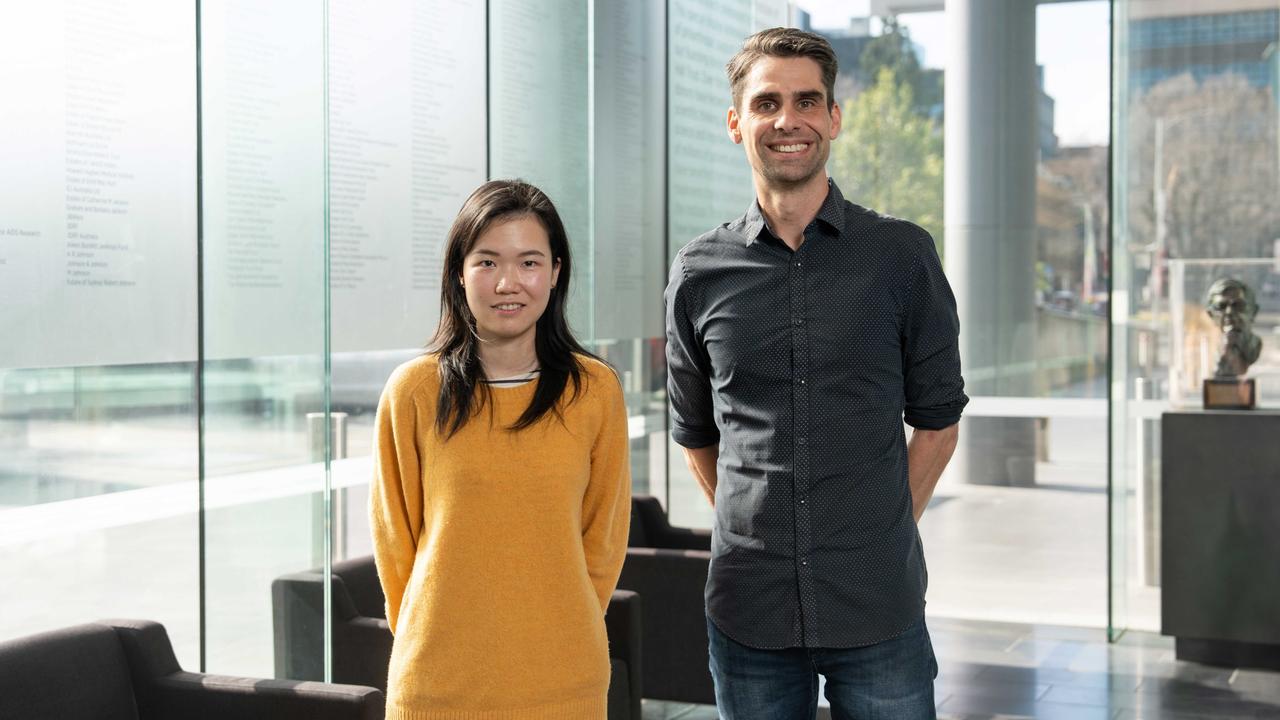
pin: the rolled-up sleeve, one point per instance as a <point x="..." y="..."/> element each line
<point x="933" y="385"/>
<point x="688" y="367"/>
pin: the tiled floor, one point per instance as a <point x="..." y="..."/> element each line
<point x="1002" y="671"/>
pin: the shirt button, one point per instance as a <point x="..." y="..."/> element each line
<point x="801" y="381"/>
<point x="799" y="321"/>
<point x="802" y="501"/>
<point x="798" y="263"/>
<point x="804" y="562"/>
<point x="803" y="441"/>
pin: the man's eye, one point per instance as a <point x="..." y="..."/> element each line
<point x="767" y="106"/>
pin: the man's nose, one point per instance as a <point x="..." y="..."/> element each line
<point x="787" y="120"/>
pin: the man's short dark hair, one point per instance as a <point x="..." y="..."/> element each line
<point x="783" y="42"/>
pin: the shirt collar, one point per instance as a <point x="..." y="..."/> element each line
<point x="831" y="214"/>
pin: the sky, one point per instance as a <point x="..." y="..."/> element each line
<point x="1072" y="43"/>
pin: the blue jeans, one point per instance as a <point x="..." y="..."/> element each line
<point x="891" y="680"/>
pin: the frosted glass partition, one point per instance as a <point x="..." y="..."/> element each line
<point x="263" y="126"/>
<point x="98" y="328"/>
<point x="628" y="259"/>
<point x="97" y="197"/>
<point x="538" y="116"/>
<point x="627" y="267"/>
<point x="263" y="74"/>
<point x="406" y="147"/>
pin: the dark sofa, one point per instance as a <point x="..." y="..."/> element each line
<point x="362" y="639"/>
<point x="126" y="670"/>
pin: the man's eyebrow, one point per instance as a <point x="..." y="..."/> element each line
<point x="777" y="96"/>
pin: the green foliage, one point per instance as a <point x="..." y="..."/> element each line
<point x="889" y="158"/>
<point x="892" y="50"/>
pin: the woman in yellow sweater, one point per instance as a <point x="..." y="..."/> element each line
<point x="500" y="501"/>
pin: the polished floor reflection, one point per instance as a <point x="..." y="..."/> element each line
<point x="1003" y="671"/>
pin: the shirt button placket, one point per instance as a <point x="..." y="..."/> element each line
<point x="801" y="465"/>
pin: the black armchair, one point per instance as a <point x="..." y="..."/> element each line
<point x="362" y="639"/>
<point x="126" y="670"/>
<point x="668" y="567"/>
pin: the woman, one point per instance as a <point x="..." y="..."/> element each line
<point x="500" y="502"/>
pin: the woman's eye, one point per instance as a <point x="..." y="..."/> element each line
<point x="487" y="263"/>
<point x="530" y="263"/>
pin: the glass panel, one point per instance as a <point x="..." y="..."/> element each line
<point x="98" y="463"/>
<point x="596" y="167"/>
<point x="627" y="269"/>
<point x="264" y="322"/>
<point x="1198" y="172"/>
<point x="709" y="180"/>
<point x="539" y="117"/>
<point x="407" y="82"/>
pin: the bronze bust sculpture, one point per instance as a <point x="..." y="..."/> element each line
<point x="1232" y="306"/>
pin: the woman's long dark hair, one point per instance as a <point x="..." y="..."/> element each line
<point x="462" y="388"/>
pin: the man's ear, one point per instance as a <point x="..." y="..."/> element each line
<point x="835" y="120"/>
<point x="731" y="124"/>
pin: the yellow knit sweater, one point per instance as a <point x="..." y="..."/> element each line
<point x="498" y="550"/>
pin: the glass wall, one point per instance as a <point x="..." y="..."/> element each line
<point x="214" y="272"/>
<point x="1196" y="170"/>
<point x="206" y="276"/>
<point x="98" y="317"/>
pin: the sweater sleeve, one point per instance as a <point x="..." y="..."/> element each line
<point x="606" y="505"/>
<point x="395" y="493"/>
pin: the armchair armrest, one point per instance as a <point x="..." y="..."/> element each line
<point x="194" y="696"/>
<point x="362" y="651"/>
<point x="163" y="690"/>
<point x="297" y="611"/>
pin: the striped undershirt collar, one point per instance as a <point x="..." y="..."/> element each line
<point x="514" y="379"/>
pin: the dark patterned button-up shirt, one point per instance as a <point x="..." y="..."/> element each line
<point x="802" y="366"/>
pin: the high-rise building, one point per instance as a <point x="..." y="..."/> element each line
<point x="1204" y="39"/>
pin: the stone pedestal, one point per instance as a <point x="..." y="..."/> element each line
<point x="1220" y="545"/>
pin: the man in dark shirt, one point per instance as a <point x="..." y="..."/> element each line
<point x="799" y="338"/>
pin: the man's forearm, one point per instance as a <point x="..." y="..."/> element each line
<point x="928" y="452"/>
<point x="702" y="463"/>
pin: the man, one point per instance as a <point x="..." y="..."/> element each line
<point x="798" y="338"/>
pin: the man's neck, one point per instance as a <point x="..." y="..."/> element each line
<point x="790" y="210"/>
<point x="508" y="357"/>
